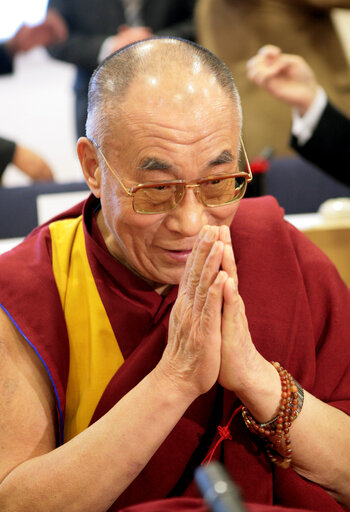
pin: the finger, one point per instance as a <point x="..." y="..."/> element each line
<point x="229" y="264"/>
<point x="254" y="62"/>
<point x="211" y="311"/>
<point x="196" y="261"/>
<point x="224" y="234"/>
<point x="266" y="56"/>
<point x="260" y="73"/>
<point x="232" y="309"/>
<point x="236" y="345"/>
<point x="230" y="293"/>
<point x="270" y="51"/>
<point x="190" y="259"/>
<point x="228" y="260"/>
<point x="209" y="274"/>
<point x="265" y="76"/>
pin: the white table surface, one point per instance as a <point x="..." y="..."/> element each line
<point x="7" y="244"/>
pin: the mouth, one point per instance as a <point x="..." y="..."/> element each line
<point x="179" y="255"/>
<point x="179" y="250"/>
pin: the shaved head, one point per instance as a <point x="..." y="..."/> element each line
<point x="174" y="63"/>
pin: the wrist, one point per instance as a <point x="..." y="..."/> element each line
<point x="261" y="391"/>
<point x="177" y="385"/>
<point x="304" y="126"/>
<point x="305" y="104"/>
<point x="276" y="432"/>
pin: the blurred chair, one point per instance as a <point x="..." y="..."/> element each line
<point x="19" y="205"/>
<point x="334" y="240"/>
<point x="299" y="186"/>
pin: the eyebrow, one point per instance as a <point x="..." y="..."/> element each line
<point x="225" y="157"/>
<point x="152" y="163"/>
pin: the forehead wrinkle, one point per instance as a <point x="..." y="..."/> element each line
<point x="143" y="114"/>
<point x="149" y="124"/>
<point x="178" y="136"/>
<point x="180" y="127"/>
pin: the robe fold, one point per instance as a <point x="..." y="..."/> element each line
<point x="91" y="320"/>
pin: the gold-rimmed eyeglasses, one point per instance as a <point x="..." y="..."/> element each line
<point x="211" y="191"/>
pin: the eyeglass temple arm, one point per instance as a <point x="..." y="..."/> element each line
<point x="115" y="174"/>
<point x="246" y="160"/>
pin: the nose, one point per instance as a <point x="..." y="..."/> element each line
<point x="188" y="217"/>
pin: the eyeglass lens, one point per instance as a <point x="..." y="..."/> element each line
<point x="165" y="197"/>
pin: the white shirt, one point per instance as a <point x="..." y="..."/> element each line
<point x="304" y="126"/>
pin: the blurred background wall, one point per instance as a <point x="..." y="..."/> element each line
<point x="36" y="102"/>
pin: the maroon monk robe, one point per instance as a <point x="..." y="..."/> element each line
<point x="295" y="303"/>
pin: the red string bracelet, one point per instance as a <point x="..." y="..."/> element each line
<point x="224" y="433"/>
<point x="277" y="430"/>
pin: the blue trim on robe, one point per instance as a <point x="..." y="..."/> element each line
<point x="46" y="368"/>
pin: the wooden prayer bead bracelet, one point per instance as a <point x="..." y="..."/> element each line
<point x="277" y="430"/>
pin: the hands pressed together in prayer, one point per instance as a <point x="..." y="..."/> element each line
<point x="209" y="341"/>
<point x="209" y="338"/>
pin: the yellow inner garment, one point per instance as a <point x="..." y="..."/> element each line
<point x="94" y="352"/>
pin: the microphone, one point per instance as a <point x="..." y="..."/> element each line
<point x="217" y="488"/>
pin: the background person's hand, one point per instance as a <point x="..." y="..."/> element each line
<point x="32" y="164"/>
<point x="287" y="77"/>
<point x="52" y="30"/>
<point x="56" y="27"/>
<point x="127" y="35"/>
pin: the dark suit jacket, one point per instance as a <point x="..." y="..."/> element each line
<point x="329" y="146"/>
<point x="6" y="63"/>
<point x="90" y="22"/>
<point x="7" y="147"/>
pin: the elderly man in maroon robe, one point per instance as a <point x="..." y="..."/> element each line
<point x="165" y="322"/>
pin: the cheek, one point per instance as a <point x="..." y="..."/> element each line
<point x="223" y="214"/>
<point x="144" y="224"/>
<point x="136" y="229"/>
<point x="112" y="202"/>
<point x="119" y="212"/>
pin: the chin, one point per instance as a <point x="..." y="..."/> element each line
<point x="169" y="280"/>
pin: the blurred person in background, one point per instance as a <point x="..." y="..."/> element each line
<point x="235" y="29"/>
<point x="26" y="160"/>
<point x="52" y="29"/>
<point x="320" y="132"/>
<point x="99" y="28"/>
<point x="117" y="383"/>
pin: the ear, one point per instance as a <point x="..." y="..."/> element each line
<point x="87" y="154"/>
